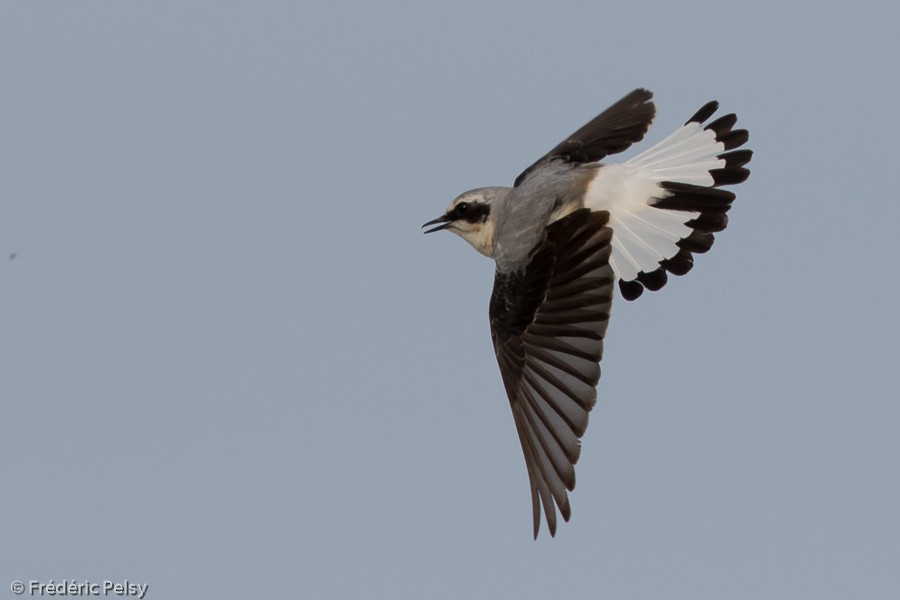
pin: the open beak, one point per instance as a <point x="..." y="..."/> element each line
<point x="442" y="222"/>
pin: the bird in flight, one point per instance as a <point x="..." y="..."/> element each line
<point x="563" y="236"/>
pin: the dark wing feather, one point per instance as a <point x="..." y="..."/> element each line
<point x="547" y="324"/>
<point x="610" y="132"/>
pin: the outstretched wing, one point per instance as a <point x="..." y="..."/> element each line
<point x="612" y="131"/>
<point x="548" y="322"/>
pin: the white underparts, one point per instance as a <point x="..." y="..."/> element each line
<point x="644" y="235"/>
<point x="479" y="235"/>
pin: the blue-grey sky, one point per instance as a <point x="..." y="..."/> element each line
<point x="232" y="367"/>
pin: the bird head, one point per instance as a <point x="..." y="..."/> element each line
<point x="469" y="217"/>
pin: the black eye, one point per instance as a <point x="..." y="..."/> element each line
<point x="461" y="208"/>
